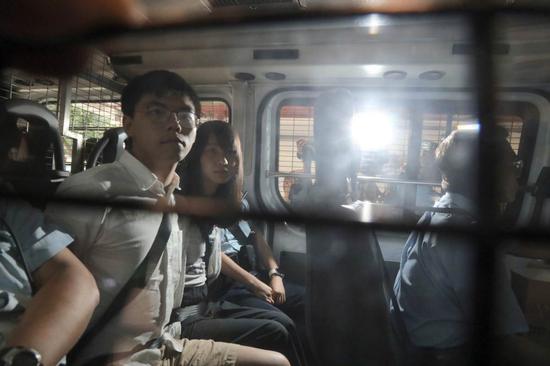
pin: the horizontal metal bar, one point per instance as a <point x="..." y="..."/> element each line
<point x="361" y="178"/>
<point x="536" y="236"/>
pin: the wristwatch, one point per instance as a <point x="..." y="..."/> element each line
<point x="20" y="356"/>
<point x="275" y="272"/>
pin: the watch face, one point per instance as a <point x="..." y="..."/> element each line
<point x="26" y="358"/>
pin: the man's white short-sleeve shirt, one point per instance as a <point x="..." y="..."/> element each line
<point x="113" y="240"/>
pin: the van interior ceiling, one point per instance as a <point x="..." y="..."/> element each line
<point x="415" y="74"/>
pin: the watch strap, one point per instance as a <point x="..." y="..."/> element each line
<point x="275" y="272"/>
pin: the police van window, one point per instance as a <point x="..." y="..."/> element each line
<point x="94" y="97"/>
<point x="94" y="109"/>
<point x="514" y="126"/>
<point x="294" y="145"/>
<point x="215" y="109"/>
<point x="89" y="100"/>
<point x="385" y="148"/>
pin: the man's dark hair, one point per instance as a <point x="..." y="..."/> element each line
<point x="458" y="158"/>
<point x="159" y="83"/>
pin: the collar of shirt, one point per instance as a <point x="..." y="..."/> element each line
<point x="143" y="177"/>
<point x="456" y="200"/>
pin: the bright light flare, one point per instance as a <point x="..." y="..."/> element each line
<point x="474" y="127"/>
<point x="372" y="130"/>
<point x="373" y="70"/>
<point x="372" y="22"/>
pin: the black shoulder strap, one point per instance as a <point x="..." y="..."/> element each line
<point x="240" y="235"/>
<point x="205" y="230"/>
<point x="236" y="230"/>
<point x="137" y="280"/>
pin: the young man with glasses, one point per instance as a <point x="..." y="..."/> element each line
<point x="160" y="111"/>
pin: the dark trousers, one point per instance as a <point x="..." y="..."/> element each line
<point x="248" y="326"/>
<point x="293" y="306"/>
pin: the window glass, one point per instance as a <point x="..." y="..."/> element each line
<point x="214" y="110"/>
<point x="386" y="152"/>
<point x="295" y="135"/>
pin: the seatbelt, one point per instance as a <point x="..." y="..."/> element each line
<point x="247" y="255"/>
<point x="239" y="234"/>
<point x="137" y="280"/>
<point x="205" y="230"/>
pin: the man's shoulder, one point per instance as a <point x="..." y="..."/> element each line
<point x="104" y="181"/>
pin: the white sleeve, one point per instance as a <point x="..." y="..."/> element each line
<point x="83" y="222"/>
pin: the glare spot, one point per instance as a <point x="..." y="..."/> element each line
<point x="372" y="22"/>
<point x="373" y="70"/>
<point x="372" y="130"/>
<point x="469" y="127"/>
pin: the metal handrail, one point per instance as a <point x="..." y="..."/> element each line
<point x="361" y="178"/>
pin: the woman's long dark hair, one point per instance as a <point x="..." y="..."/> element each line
<point x="190" y="168"/>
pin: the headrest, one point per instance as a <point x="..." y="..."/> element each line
<point x="109" y="148"/>
<point x="36" y="113"/>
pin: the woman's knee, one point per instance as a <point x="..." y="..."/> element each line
<point x="249" y="356"/>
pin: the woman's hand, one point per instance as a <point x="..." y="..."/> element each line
<point x="278" y="289"/>
<point x="263" y="291"/>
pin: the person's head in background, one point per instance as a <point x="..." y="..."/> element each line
<point x="458" y="159"/>
<point x="213" y="167"/>
<point x="160" y="117"/>
<point x="428" y="171"/>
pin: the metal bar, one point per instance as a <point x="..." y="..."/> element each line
<point x="413" y="157"/>
<point x="64" y="95"/>
<point x="361" y="178"/>
<point x="102" y="81"/>
<point x="485" y="239"/>
<point x="536" y="237"/>
<point x="449" y="125"/>
<point x="77" y="163"/>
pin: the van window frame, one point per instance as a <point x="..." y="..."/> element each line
<point x="443" y="105"/>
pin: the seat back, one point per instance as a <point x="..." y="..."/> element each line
<point x="41" y="175"/>
<point x="108" y="148"/>
<point x="38" y="114"/>
<point x="399" y="337"/>
<point x="541" y="191"/>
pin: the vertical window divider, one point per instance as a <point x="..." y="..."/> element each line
<point x="485" y="238"/>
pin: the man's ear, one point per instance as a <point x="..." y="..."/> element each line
<point x="127" y="123"/>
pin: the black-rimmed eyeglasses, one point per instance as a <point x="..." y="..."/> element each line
<point x="187" y="119"/>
